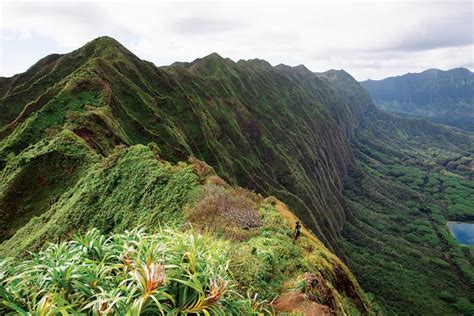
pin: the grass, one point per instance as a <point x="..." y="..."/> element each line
<point x="55" y="164"/>
<point x="234" y="116"/>
<point x="264" y="257"/>
<point x="127" y="189"/>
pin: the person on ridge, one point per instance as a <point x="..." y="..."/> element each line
<point x="297" y="230"/>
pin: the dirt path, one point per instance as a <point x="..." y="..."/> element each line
<point x="297" y="303"/>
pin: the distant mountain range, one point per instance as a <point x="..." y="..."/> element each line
<point x="445" y="97"/>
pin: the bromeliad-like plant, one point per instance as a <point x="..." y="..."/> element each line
<point x="133" y="273"/>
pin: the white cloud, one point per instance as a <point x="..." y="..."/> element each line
<point x="368" y="39"/>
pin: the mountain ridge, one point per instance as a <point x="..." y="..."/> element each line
<point x="352" y="173"/>
<point x="441" y="96"/>
<point x="91" y="62"/>
<point x="429" y="70"/>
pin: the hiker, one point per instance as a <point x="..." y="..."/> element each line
<point x="297" y="231"/>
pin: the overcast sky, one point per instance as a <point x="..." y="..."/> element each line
<point x="367" y="39"/>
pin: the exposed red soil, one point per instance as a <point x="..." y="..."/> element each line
<point x="297" y="302"/>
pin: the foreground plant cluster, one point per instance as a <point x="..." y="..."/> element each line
<point x="132" y="273"/>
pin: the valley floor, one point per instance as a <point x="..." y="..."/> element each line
<point x="398" y="242"/>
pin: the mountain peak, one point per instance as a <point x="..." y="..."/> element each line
<point x="108" y="48"/>
<point x="334" y="74"/>
<point x="103" y="42"/>
<point x="214" y="55"/>
<point x="211" y="58"/>
<point x="299" y="70"/>
<point x="105" y="39"/>
<point x="211" y="64"/>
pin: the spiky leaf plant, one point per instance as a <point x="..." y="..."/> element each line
<point x="132" y="273"/>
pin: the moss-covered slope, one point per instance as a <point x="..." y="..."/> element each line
<point x="35" y="179"/>
<point x="278" y="130"/>
<point x="133" y="187"/>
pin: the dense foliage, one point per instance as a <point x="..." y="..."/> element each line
<point x="132" y="273"/>
<point x="129" y="188"/>
<point x="397" y="242"/>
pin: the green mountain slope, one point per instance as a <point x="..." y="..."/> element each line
<point x="247" y="243"/>
<point x="259" y="126"/>
<point x="440" y="96"/>
<point x="353" y="174"/>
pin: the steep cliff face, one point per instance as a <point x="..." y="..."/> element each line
<point x="279" y="130"/>
<point x="77" y="124"/>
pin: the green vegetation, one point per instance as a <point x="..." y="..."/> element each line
<point x="35" y="179"/>
<point x="234" y="116"/>
<point x="398" y="243"/>
<point x="168" y="272"/>
<point x="104" y="136"/>
<point x="444" y="97"/>
<point x="127" y="189"/>
<point x="133" y="273"/>
<point x="247" y="252"/>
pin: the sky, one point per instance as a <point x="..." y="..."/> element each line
<point x="368" y="39"/>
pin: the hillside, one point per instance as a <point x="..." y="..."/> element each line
<point x="232" y="237"/>
<point x="445" y="97"/>
<point x="260" y="127"/>
<point x="104" y="135"/>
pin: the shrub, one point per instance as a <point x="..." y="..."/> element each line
<point x="133" y="273"/>
<point x="464" y="306"/>
<point x="447" y="296"/>
<point x="225" y="211"/>
<point x="200" y="168"/>
<point x="215" y="180"/>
